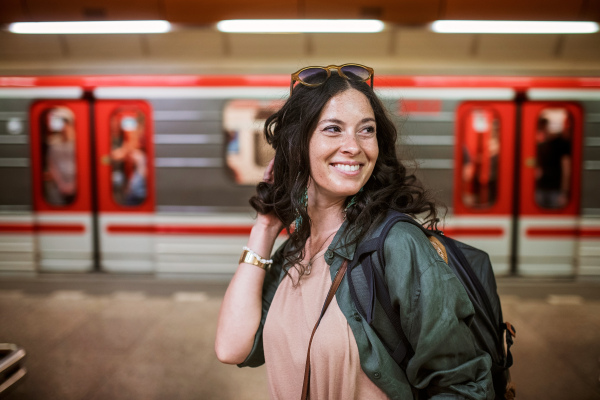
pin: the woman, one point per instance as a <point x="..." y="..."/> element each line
<point x="334" y="176"/>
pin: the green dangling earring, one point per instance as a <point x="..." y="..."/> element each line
<point x="304" y="203"/>
<point x="352" y="202"/>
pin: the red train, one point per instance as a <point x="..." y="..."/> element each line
<point x="152" y="174"/>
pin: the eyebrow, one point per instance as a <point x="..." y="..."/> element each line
<point x="337" y="121"/>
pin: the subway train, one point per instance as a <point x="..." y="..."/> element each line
<point x="152" y="174"/>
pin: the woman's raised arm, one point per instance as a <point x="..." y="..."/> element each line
<point x="240" y="314"/>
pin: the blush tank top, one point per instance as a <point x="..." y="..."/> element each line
<point x="335" y="365"/>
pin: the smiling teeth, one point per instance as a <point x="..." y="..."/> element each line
<point x="346" y="167"/>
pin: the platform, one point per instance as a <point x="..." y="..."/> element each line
<point x="97" y="337"/>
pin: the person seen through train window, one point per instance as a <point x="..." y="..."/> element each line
<point x="129" y="159"/>
<point x="61" y="187"/>
<point x="335" y="175"/>
<point x="553" y="172"/>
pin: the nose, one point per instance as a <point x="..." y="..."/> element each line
<point x="350" y="145"/>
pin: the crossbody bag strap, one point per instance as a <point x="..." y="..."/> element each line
<point x="334" y="287"/>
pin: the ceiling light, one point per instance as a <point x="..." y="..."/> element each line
<point x="556" y="27"/>
<point x="90" y="27"/>
<point x="300" y="25"/>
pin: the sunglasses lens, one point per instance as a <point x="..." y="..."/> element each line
<point x="313" y="76"/>
<point x="355" y="72"/>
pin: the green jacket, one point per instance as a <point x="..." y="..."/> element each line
<point x="435" y="312"/>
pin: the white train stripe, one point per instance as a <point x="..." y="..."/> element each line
<point x="447" y="93"/>
<point x="185" y="115"/>
<point x="187" y="139"/>
<point x="563" y="94"/>
<point x="435" y="163"/>
<point x="442" y="116"/>
<point x="190" y="93"/>
<point x="189" y="162"/>
<point x="44" y="93"/>
<point x="428" y="140"/>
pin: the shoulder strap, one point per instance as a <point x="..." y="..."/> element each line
<point x="401" y="352"/>
<point x="334" y="287"/>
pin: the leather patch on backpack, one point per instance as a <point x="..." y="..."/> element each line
<point x="439" y="248"/>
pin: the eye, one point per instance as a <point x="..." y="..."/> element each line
<point x="368" y="130"/>
<point x="332" y="129"/>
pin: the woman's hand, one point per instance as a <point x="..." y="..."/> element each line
<point x="269" y="176"/>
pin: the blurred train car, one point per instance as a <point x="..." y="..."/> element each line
<point x="152" y="174"/>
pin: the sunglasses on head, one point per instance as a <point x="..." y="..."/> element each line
<point x="315" y="76"/>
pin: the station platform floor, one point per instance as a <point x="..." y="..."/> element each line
<point x="101" y="336"/>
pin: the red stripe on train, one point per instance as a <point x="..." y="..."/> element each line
<point x="551" y="232"/>
<point x="283" y="81"/>
<point x="590" y="233"/>
<point x="179" y="229"/>
<point x="467" y="231"/>
<point x="42" y="228"/>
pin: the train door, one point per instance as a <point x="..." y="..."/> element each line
<point x="483" y="178"/>
<point x="62" y="204"/>
<point x="550" y="187"/>
<point x="96" y="216"/>
<point x="125" y="190"/>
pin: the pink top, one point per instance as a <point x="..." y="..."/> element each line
<point x="335" y="365"/>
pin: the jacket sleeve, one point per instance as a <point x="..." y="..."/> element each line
<point x="435" y="311"/>
<point x="256" y="358"/>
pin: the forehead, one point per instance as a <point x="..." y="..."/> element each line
<point x="349" y="103"/>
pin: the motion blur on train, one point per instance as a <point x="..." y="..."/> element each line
<point x="152" y="174"/>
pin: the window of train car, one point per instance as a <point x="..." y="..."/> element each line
<point x="57" y="127"/>
<point x="480" y="156"/>
<point x="553" y="171"/>
<point x="129" y="161"/>
<point x="247" y="152"/>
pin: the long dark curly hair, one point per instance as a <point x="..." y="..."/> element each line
<point x="289" y="131"/>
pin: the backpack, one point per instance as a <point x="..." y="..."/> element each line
<point x="473" y="269"/>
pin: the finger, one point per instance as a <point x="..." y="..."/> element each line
<point x="268" y="175"/>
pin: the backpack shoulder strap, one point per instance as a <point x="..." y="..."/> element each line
<point x="401" y="351"/>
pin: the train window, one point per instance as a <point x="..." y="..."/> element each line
<point x="128" y="155"/>
<point x="57" y="126"/>
<point x="553" y="172"/>
<point x="480" y="155"/>
<point x="247" y="152"/>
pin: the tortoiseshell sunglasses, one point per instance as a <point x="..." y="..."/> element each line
<point x="315" y="76"/>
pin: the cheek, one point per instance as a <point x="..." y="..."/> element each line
<point x="372" y="150"/>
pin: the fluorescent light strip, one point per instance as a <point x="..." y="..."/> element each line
<point x="539" y="27"/>
<point x="90" y="27"/>
<point x="300" y="25"/>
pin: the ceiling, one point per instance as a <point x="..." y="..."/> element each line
<point x="406" y="46"/>
<point x="201" y="13"/>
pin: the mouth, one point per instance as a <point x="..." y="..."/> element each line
<point x="347" y="167"/>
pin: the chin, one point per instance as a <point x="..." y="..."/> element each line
<point x="345" y="192"/>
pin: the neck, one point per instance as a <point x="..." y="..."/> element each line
<point x="325" y="217"/>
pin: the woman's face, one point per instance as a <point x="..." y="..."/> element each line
<point x="343" y="148"/>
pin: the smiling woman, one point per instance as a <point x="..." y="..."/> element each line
<point x="334" y="178"/>
<point x="342" y="149"/>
